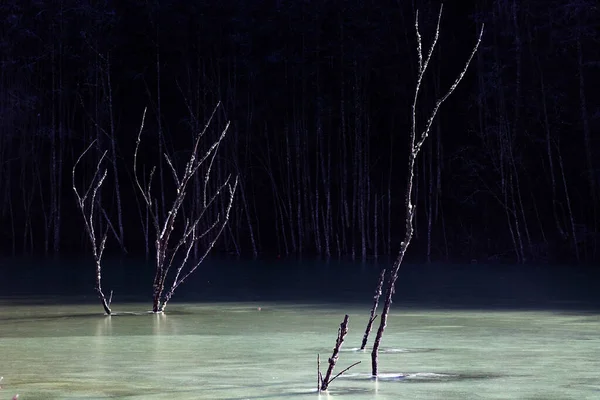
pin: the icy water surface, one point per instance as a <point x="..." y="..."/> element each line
<point x="238" y="351"/>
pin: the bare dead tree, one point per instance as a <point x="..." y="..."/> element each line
<point x="373" y="316"/>
<point x="324" y="382"/>
<point x="416" y="142"/>
<point x="87" y="206"/>
<point x="167" y="247"/>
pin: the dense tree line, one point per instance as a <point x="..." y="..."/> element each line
<point x="318" y="94"/>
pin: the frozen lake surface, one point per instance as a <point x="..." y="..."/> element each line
<point x="233" y="350"/>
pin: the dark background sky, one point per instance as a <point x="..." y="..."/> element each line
<point x="318" y="94"/>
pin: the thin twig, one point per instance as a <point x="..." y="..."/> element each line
<point x="341" y="372"/>
<point x="318" y="372"/>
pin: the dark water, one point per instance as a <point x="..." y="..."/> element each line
<point x="437" y="285"/>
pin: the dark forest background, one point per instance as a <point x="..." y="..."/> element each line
<point x="319" y="97"/>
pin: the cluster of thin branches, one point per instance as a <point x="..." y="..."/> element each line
<point x="169" y="249"/>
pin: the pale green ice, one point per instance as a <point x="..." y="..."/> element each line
<point x="236" y="351"/>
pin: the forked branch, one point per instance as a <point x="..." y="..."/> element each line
<point x="324" y="381"/>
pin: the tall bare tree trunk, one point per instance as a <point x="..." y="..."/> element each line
<point x="416" y="143"/>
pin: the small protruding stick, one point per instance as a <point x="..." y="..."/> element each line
<point x="373" y="310"/>
<point x="318" y="372"/>
<point x="342" y="331"/>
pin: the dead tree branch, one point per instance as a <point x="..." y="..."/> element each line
<point x="324" y="382"/>
<point x="88" y="218"/>
<point x="167" y="247"/>
<point x="373" y="316"/>
<point x="415" y="146"/>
